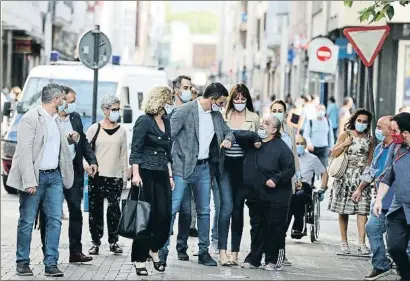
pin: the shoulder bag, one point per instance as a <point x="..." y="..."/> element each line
<point x="338" y="165"/>
<point x="134" y="217"/>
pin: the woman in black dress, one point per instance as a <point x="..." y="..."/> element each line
<point x="152" y="176"/>
<point x="268" y="175"/>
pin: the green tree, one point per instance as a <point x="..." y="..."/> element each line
<point x="378" y="10"/>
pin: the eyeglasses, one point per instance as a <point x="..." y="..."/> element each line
<point x="300" y="143"/>
<point x="115" y="109"/>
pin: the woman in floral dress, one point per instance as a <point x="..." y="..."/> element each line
<point x="359" y="144"/>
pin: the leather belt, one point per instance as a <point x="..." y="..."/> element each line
<point x="202" y="161"/>
<point x="48" y="171"/>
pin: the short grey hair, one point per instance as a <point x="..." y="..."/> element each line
<point x="50" y="92"/>
<point x="108" y="101"/>
<point x="276" y="124"/>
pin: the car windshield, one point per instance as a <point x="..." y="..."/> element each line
<point x="84" y="90"/>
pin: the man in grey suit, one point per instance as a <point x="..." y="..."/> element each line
<point x="41" y="167"/>
<point x="198" y="130"/>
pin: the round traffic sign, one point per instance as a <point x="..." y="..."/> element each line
<point x="86" y="49"/>
<point x="324" y="53"/>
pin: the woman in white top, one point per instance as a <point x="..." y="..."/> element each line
<point x="109" y="141"/>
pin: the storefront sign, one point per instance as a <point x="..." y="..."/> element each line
<point x="22" y="45"/>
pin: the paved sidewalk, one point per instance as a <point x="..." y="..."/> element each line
<point x="310" y="261"/>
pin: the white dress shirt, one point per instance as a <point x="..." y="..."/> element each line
<point x="66" y="127"/>
<point x="51" y="152"/>
<point x="206" y="132"/>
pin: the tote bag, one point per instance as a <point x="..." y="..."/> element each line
<point x="134" y="217"/>
<point x="338" y="165"/>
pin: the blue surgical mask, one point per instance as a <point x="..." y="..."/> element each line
<point x="70" y="108"/>
<point x="186" y="95"/>
<point x="168" y="108"/>
<point x="360" y="127"/>
<point x="262" y="133"/>
<point x="379" y="135"/>
<point x="114" y="116"/>
<point x="62" y="106"/>
<point x="279" y="115"/>
<point x="300" y="149"/>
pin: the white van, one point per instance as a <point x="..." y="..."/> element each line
<point x="129" y="83"/>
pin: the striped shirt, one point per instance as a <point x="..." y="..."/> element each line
<point x="235" y="151"/>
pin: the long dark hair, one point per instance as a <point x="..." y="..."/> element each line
<point x="350" y="125"/>
<point x="235" y="91"/>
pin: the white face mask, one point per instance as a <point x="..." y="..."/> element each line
<point x="262" y="133"/>
<point x="169" y="108"/>
<point x="239" y="106"/>
<point x="114" y="116"/>
<point x="216" y="108"/>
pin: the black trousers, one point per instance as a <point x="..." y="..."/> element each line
<point x="268" y="225"/>
<point x="297" y="211"/>
<point x="156" y="191"/>
<point x="323" y="154"/>
<point x="234" y="167"/>
<point x="73" y="197"/>
<point x="398" y="234"/>
<point x="99" y="189"/>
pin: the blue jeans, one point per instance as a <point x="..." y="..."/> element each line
<point x="184" y="221"/>
<point x="200" y="180"/>
<point x="217" y="208"/>
<point x="375" y="229"/>
<point x="226" y="206"/>
<point x="50" y="192"/>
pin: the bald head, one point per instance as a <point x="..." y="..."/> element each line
<point x="385" y="121"/>
<point x="405" y="109"/>
<point x="383" y="124"/>
<point x="300" y="140"/>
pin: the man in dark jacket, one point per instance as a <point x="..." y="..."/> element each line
<point x="71" y="124"/>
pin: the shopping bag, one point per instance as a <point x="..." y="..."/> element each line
<point x="134" y="217"/>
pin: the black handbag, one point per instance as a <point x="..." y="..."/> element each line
<point x="134" y="217"/>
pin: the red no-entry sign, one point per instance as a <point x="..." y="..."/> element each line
<point x="324" y="53"/>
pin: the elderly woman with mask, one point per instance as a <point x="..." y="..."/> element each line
<point x="109" y="141"/>
<point x="269" y="166"/>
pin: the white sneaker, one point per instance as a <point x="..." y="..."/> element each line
<point x="272" y="267"/>
<point x="344" y="247"/>
<point x="247" y="265"/>
<point x="286" y="262"/>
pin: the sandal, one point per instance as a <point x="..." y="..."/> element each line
<point x="140" y="269"/>
<point x="159" y="266"/>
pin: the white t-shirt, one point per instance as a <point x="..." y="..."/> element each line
<point x="206" y="132"/>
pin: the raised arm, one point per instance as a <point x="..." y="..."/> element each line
<point x="342" y="143"/>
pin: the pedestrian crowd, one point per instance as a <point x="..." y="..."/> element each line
<point x="189" y="147"/>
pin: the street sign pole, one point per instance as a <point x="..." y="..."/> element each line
<point x="96" y="34"/>
<point x="370" y="94"/>
<point x="94" y="50"/>
<point x="368" y="42"/>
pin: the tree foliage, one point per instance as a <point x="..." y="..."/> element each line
<point x="378" y="10"/>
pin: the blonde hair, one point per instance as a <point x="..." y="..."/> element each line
<point x="156" y="100"/>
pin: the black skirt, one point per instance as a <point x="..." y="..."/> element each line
<point x="156" y="190"/>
